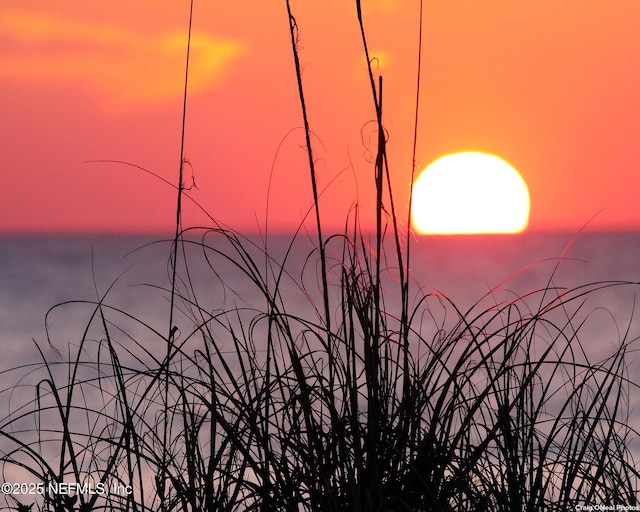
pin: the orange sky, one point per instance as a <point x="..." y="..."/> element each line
<point x="551" y="87"/>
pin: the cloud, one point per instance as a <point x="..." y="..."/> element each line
<point x="381" y="60"/>
<point x="124" y="66"/>
<point x="380" y="6"/>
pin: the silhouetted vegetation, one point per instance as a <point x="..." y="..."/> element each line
<point x="338" y="385"/>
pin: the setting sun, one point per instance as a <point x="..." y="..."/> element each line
<point x="466" y="193"/>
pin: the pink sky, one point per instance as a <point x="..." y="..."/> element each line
<point x="549" y="87"/>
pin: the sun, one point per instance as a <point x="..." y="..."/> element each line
<point x="470" y="192"/>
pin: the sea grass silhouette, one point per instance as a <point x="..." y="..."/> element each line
<point x="316" y="389"/>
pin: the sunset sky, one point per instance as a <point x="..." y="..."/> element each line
<point x="550" y="87"/>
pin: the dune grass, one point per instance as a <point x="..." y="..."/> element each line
<point x="336" y="385"/>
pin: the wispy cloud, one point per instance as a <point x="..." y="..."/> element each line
<point x="124" y="66"/>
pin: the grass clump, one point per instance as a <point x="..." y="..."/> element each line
<point x="325" y="386"/>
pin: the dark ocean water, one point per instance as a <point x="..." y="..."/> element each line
<point x="130" y="275"/>
<point x="38" y="272"/>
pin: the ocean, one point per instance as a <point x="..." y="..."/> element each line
<point x="50" y="287"/>
<point x="40" y="272"/>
